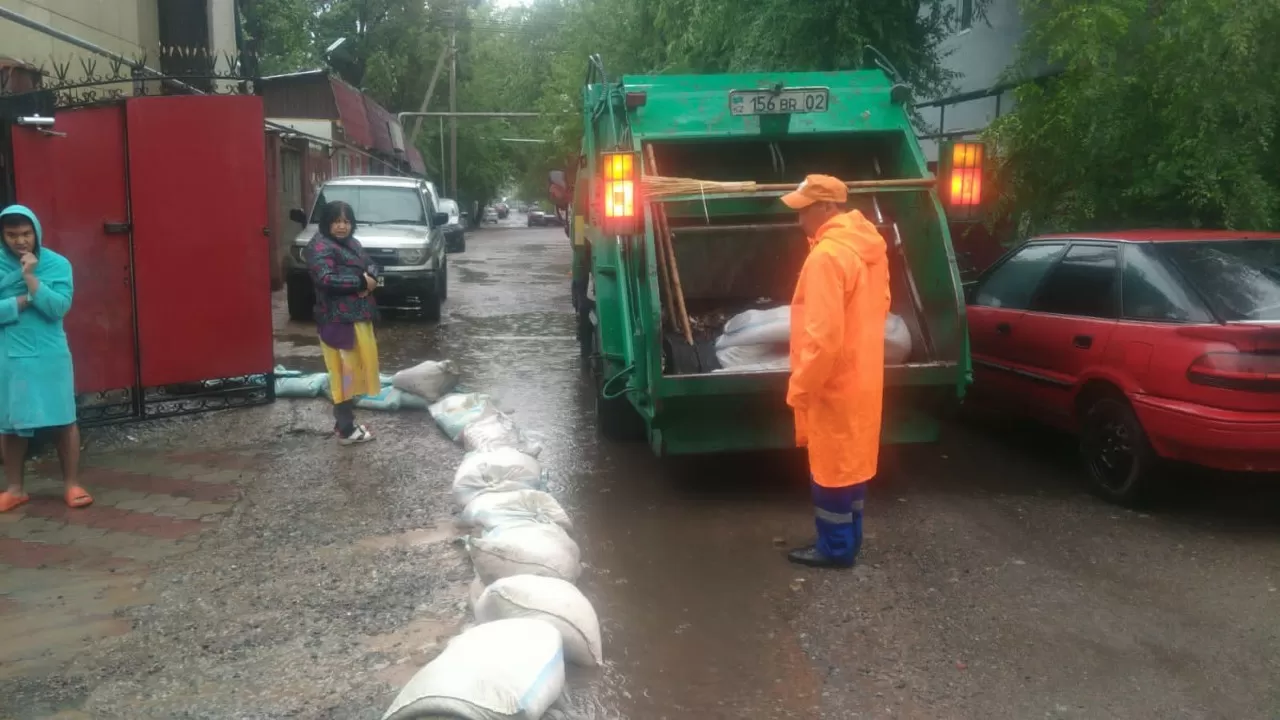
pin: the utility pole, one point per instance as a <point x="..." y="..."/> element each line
<point x="426" y="99"/>
<point x="453" y="100"/>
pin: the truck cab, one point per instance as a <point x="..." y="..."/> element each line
<point x="729" y="250"/>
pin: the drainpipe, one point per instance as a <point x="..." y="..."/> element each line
<point x="25" y="21"/>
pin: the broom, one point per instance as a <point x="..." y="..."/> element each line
<point x="657" y="186"/>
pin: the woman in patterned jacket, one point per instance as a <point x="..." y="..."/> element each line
<point x="344" y="280"/>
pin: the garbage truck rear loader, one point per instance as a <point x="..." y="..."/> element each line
<point x="657" y="272"/>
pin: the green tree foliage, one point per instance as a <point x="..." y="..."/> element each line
<point x="277" y="35"/>
<point x="533" y="57"/>
<point x="1164" y="114"/>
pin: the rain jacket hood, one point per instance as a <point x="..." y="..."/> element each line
<point x="837" y="350"/>
<point x="854" y="231"/>
<point x="24" y="211"/>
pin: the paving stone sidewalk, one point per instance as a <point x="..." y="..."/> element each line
<point x="66" y="573"/>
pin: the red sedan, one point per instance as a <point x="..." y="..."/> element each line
<point x="1152" y="345"/>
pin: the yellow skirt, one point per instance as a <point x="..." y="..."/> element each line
<point x="354" y="372"/>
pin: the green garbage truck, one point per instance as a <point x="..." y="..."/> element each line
<point x="672" y="210"/>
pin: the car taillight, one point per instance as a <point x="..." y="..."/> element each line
<point x="1250" y="372"/>
<point x="621" y="203"/>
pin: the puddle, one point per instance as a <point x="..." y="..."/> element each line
<point x="411" y="538"/>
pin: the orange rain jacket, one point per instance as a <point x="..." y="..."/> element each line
<point x="837" y="350"/>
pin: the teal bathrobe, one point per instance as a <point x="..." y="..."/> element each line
<point x="37" y="381"/>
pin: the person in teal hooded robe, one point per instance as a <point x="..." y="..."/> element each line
<point x="37" y="381"/>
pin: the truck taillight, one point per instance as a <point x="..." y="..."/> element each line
<point x="966" y="174"/>
<point x="621" y="202"/>
<point x="1250" y="372"/>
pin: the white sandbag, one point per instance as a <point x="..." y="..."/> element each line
<point x="489" y="510"/>
<point x="525" y="549"/>
<point x="738" y="355"/>
<point x="757" y="327"/>
<point x="504" y="670"/>
<point x="453" y="413"/>
<point x="757" y="318"/>
<point x="498" y="431"/>
<point x="550" y="599"/>
<point x="897" y="340"/>
<point x="499" y="470"/>
<point x="780" y="364"/>
<point x="429" y="380"/>
<point x="477" y="589"/>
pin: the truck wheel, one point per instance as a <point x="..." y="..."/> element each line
<point x="616" y="417"/>
<point x="301" y="299"/>
<point x="1117" y="453"/>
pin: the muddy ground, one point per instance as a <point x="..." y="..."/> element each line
<point x="241" y="565"/>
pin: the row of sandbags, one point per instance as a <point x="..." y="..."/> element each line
<point x="412" y="389"/>
<point x="758" y="340"/>
<point x="531" y="617"/>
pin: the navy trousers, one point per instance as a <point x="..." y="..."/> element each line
<point x="837" y="513"/>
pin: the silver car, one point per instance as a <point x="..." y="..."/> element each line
<point x="401" y="228"/>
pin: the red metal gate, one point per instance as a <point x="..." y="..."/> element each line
<point x="160" y="205"/>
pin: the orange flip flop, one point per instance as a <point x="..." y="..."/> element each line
<point x="76" y="497"/>
<point x="9" y="501"/>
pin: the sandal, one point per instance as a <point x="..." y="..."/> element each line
<point x="9" y="501"/>
<point x="76" y="497"/>
<point x="360" y="435"/>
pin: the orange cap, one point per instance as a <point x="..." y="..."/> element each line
<point x="817" y="188"/>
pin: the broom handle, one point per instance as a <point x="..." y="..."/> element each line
<point x="664" y="277"/>
<point x="855" y="184"/>
<point x="682" y="312"/>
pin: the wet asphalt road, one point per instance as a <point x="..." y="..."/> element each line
<point x="990" y="586"/>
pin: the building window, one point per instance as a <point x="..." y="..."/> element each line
<point x="965" y="11"/>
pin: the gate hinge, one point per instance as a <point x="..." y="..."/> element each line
<point x="115" y="228"/>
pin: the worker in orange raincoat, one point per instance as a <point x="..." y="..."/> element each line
<point x="837" y="363"/>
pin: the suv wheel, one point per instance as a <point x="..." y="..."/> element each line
<point x="301" y="299"/>
<point x="1116" y="451"/>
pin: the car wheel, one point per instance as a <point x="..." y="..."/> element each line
<point x="443" y="282"/>
<point x="1116" y="452"/>
<point x="301" y="299"/>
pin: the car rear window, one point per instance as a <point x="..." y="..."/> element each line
<point x="1239" y="279"/>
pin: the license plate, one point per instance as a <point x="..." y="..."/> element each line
<point x="382" y="281"/>
<point x="765" y="102"/>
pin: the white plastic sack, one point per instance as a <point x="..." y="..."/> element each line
<point x="499" y="470"/>
<point x="504" y="670"/>
<point x="771" y="366"/>
<point x="550" y="599"/>
<point x="489" y="510"/>
<point x="757" y="327"/>
<point x="525" y="549"/>
<point x="498" y="431"/>
<point x="739" y="355"/>
<point x="429" y="380"/>
<point x="453" y="413"/>
<point x="897" y="340"/>
<point x="477" y="589"/>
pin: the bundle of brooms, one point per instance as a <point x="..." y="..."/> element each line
<point x="657" y="186"/>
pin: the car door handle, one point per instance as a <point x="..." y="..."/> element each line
<point x="1003" y="328"/>
<point x="1084" y="342"/>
